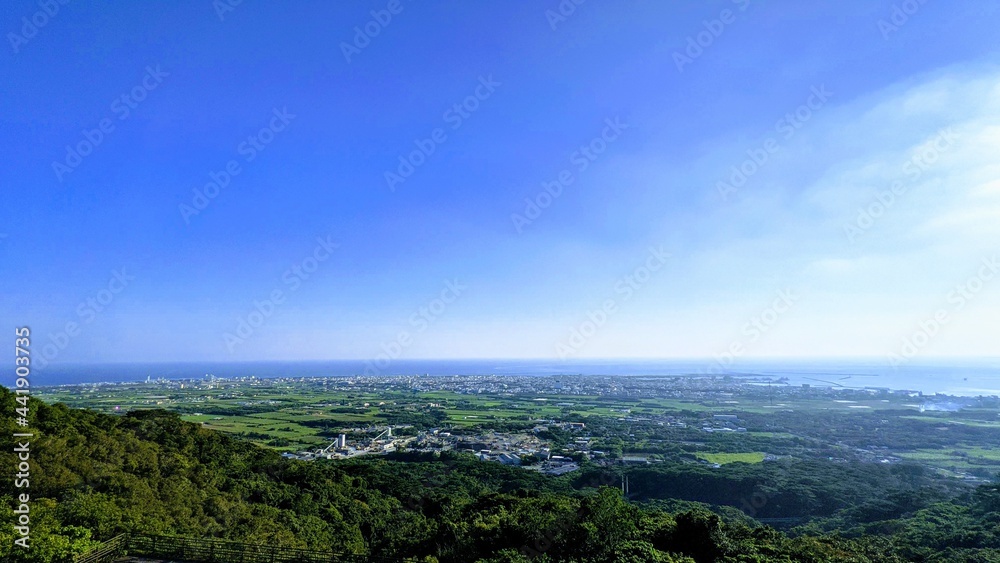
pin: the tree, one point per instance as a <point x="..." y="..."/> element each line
<point x="607" y="521"/>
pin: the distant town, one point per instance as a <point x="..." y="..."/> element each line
<point x="553" y="424"/>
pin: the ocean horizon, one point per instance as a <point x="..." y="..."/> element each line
<point x="971" y="377"/>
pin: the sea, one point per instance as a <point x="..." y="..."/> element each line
<point x="979" y="377"/>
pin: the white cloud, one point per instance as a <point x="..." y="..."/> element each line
<point x="785" y="232"/>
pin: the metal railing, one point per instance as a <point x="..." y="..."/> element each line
<point x="107" y="551"/>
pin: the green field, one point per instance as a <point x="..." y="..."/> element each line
<point x="957" y="458"/>
<point x="722" y="459"/>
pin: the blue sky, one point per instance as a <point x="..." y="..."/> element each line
<point x="312" y="250"/>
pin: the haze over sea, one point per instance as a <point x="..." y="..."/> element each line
<point x="952" y="377"/>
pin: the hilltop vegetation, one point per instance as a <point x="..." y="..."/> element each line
<point x="96" y="475"/>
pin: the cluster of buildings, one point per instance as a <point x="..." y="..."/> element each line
<point x="376" y="440"/>
<point x="723" y="423"/>
<point x="514" y="449"/>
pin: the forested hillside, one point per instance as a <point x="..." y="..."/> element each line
<point x="94" y="476"/>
